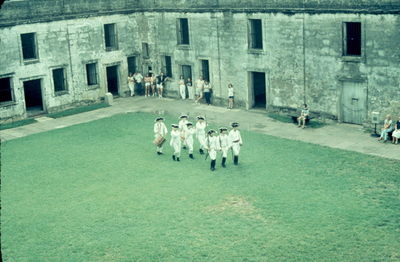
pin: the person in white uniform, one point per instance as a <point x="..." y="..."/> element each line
<point x="236" y="142"/>
<point x="201" y="133"/>
<point x="188" y="135"/>
<point x="213" y="146"/>
<point x="175" y="142"/>
<point x="225" y="144"/>
<point x="183" y="120"/>
<point x="160" y="130"/>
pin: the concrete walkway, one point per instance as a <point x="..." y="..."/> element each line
<point x="335" y="135"/>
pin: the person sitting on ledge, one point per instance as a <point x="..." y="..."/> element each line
<point x="396" y="132"/>
<point x="301" y="120"/>
<point x="386" y="129"/>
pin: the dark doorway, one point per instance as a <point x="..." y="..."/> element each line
<point x="259" y="89"/>
<point x="187" y="72"/>
<point x="112" y="80"/>
<point x="33" y="96"/>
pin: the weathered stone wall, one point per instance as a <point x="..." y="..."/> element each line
<point x="302" y="54"/>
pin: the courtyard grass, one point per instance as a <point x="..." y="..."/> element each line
<point x="98" y="192"/>
<point x="78" y="110"/>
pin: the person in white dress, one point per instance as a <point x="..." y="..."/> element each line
<point x="236" y="142"/>
<point x="213" y="146"/>
<point x="131" y="84"/>
<point x="160" y="130"/>
<point x="396" y="132"/>
<point x="225" y="144"/>
<point x="199" y="89"/>
<point x="182" y="87"/>
<point x="188" y="135"/>
<point x="175" y="142"/>
<point x="201" y="133"/>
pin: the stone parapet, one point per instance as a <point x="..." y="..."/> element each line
<point x="25" y="12"/>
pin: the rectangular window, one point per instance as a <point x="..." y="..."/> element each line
<point x="255" y="34"/>
<point x="145" y="50"/>
<point x="168" y="66"/>
<point x="183" y="31"/>
<point x="59" y="80"/>
<point x="110" y="37"/>
<point x="28" y="42"/>
<point x="5" y="90"/>
<point x="132" y="64"/>
<point x="91" y="74"/>
<point x="205" y="70"/>
<point x="352" y="39"/>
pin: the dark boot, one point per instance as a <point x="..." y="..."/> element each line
<point x="177" y="159"/>
<point x="173" y="157"/>
<point x="235" y="160"/>
<point x="191" y="156"/>
<point x="212" y="165"/>
<point x="201" y="151"/>
<point x="223" y="162"/>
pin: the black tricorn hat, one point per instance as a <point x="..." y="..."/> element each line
<point x="159" y="118"/>
<point x="235" y="124"/>
<point x="211" y="131"/>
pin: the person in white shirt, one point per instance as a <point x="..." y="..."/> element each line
<point x="236" y="142"/>
<point x="175" y="142"/>
<point x="201" y="133"/>
<point x="138" y="80"/>
<point x="183" y="120"/>
<point x="213" y="146"/>
<point x="131" y="84"/>
<point x="225" y="144"/>
<point x="230" y="96"/>
<point x="160" y="130"/>
<point x="199" y="89"/>
<point x="188" y="135"/>
<point x="304" y="115"/>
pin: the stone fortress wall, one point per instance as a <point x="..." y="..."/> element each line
<point x="301" y="55"/>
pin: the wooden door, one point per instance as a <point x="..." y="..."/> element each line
<point x="354" y="98"/>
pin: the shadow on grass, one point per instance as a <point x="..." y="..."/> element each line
<point x="17" y="123"/>
<point x="77" y="110"/>
<point x="287" y="119"/>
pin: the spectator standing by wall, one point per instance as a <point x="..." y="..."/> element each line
<point x="230" y="96"/>
<point x="190" y="89"/>
<point x="147" y="84"/>
<point x="199" y="89"/>
<point x="131" y="84"/>
<point x="138" y="80"/>
<point x="182" y="87"/>
<point x="207" y="92"/>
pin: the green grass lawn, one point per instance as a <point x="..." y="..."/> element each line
<point x="98" y="192"/>
<point x="77" y="110"/>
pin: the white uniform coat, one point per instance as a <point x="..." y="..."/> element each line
<point x="201" y="133"/>
<point x="213" y="146"/>
<point x="160" y="130"/>
<point x="225" y="144"/>
<point x="188" y="134"/>
<point x="235" y="140"/>
<point x="176" y="142"/>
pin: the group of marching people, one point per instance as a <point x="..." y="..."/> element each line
<point x="183" y="133"/>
